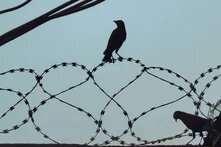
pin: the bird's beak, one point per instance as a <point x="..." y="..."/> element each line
<point x="176" y="120"/>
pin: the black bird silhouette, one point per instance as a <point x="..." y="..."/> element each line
<point x="116" y="40"/>
<point x="213" y="137"/>
<point x="193" y="122"/>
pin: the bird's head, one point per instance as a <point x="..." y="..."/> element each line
<point x="119" y="22"/>
<point x="176" y="115"/>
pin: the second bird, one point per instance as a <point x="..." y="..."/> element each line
<point x="116" y="40"/>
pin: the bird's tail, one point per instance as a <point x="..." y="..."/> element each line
<point x="107" y="58"/>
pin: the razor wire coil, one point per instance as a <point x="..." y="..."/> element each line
<point x="90" y="76"/>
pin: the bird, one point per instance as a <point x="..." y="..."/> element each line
<point x="117" y="38"/>
<point x="193" y="122"/>
<point x="217" y="123"/>
<point x="213" y="137"/>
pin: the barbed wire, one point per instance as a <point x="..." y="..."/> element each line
<point x="189" y="93"/>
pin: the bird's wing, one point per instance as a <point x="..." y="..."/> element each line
<point x="116" y="40"/>
<point x="193" y="122"/>
<point x="198" y="123"/>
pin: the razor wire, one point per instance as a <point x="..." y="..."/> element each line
<point x="189" y="92"/>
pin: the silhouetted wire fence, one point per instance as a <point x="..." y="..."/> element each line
<point x="187" y="93"/>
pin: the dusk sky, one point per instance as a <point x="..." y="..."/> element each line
<point x="183" y="36"/>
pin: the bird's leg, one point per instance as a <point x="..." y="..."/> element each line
<point x="112" y="59"/>
<point x="192" y="139"/>
<point x="201" y="135"/>
<point x="189" y="141"/>
<point x="119" y="55"/>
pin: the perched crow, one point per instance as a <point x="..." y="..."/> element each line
<point x="193" y="122"/>
<point x="214" y="134"/>
<point x="217" y="123"/>
<point x="116" y="40"/>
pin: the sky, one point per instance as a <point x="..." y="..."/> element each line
<point x="179" y="35"/>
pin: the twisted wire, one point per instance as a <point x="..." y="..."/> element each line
<point x="189" y="93"/>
